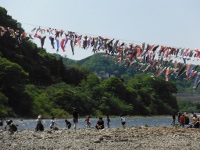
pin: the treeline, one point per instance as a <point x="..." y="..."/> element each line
<point x="34" y="82"/>
<point x="101" y="64"/>
<point x="143" y="95"/>
<point x="186" y="105"/>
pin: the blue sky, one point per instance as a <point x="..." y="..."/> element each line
<point x="164" y="22"/>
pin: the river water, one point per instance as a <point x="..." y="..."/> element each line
<point x="29" y="124"/>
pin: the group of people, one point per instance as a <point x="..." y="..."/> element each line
<point x="10" y="126"/>
<point x="99" y="125"/>
<point x="184" y="120"/>
<point x="53" y="124"/>
<point x="100" y="122"/>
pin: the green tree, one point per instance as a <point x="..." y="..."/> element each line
<point x="113" y="105"/>
<point x="76" y="74"/>
<point x="5" y="111"/>
<point x="12" y="81"/>
<point x="115" y="86"/>
<point x="198" y="106"/>
<point x="186" y="105"/>
<point x="155" y="94"/>
<point x="90" y="82"/>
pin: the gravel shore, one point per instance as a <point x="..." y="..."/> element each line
<point x="142" y="138"/>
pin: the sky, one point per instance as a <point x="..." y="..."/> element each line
<point x="164" y="22"/>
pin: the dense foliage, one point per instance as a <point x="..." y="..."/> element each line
<point x="101" y="65"/>
<point x="186" y="105"/>
<point x="34" y="82"/>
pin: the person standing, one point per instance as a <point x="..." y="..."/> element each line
<point x="123" y="121"/>
<point x="179" y="115"/>
<point x="108" y="121"/>
<point x="53" y="123"/>
<point x="173" y="119"/>
<point x="39" y="126"/>
<point x="182" y="120"/>
<point x="88" y="121"/>
<point x="1" y="122"/>
<point x="75" y="118"/>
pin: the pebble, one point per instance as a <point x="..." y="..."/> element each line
<point x="84" y="139"/>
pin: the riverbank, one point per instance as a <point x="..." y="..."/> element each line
<point x="106" y="139"/>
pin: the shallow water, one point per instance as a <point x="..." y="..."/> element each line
<point x="29" y="124"/>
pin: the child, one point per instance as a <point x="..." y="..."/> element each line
<point x="182" y="120"/>
<point x="88" y="121"/>
<point x="53" y="123"/>
<point x="123" y="121"/>
<point x="68" y="124"/>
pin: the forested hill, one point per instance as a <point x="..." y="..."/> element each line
<point x="103" y="65"/>
<point x="34" y="82"/>
<point x="22" y="64"/>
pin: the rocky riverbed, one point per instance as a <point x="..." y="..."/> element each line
<point x="173" y="138"/>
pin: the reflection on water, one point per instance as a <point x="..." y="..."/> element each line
<point x="29" y="124"/>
